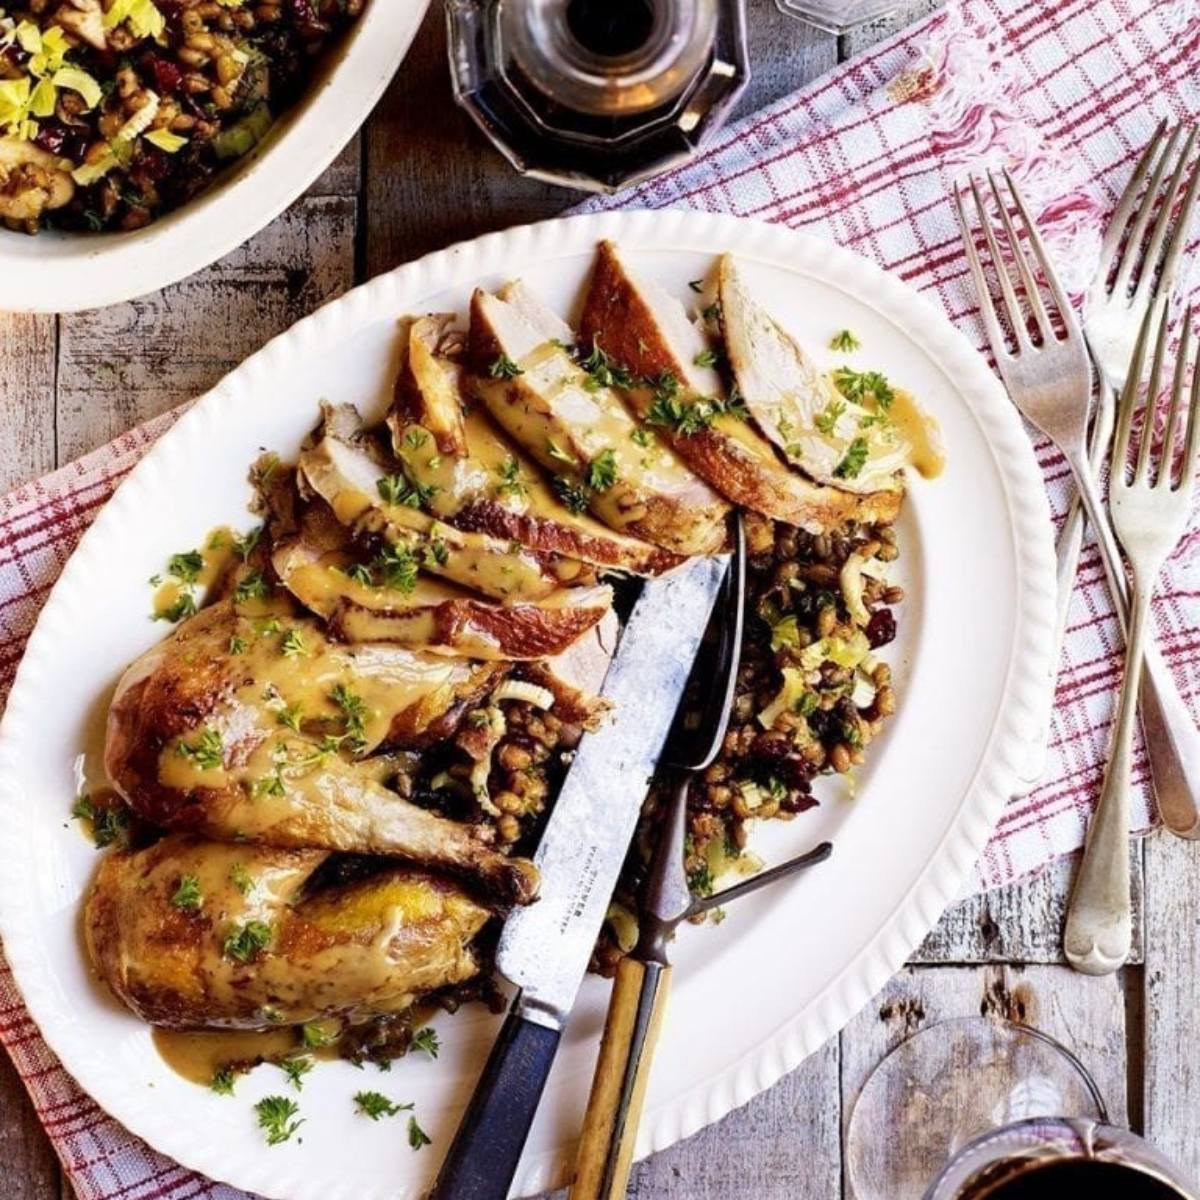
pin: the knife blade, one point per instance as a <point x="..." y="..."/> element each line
<point x="544" y="948"/>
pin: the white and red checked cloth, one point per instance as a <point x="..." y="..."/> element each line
<point x="1066" y="93"/>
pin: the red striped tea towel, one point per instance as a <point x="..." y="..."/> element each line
<point x="1066" y="94"/>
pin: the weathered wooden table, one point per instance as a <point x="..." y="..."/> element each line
<point x="416" y="179"/>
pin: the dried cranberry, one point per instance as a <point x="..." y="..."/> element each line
<point x="167" y="76"/>
<point x="154" y="164"/>
<point x="881" y="628"/>
<point x="63" y="140"/>
<point x="303" y="12"/>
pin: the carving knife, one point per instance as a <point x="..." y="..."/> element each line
<point x="545" y="948"/>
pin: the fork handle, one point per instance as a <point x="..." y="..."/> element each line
<point x="1171" y="737"/>
<point x="1099" y="928"/>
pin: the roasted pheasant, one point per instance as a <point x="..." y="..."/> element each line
<point x="198" y="934"/>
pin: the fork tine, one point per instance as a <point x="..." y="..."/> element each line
<point x="1138" y="229"/>
<point x="1028" y="281"/>
<point x="1129" y="397"/>
<point x="1166" y="464"/>
<point x="1163" y="224"/>
<point x="987" y="309"/>
<point x="1065" y="311"/>
<point x="1146" y="439"/>
<point x="1191" y="451"/>
<point x="1016" y="319"/>
<point x="1120" y="218"/>
<point x="1179" y="237"/>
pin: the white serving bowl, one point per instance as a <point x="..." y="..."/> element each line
<point x="65" y="272"/>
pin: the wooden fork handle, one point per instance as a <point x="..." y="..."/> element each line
<point x="614" y="1109"/>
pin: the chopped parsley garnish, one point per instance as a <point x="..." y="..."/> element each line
<point x="237" y="645"/>
<point x="314" y="1036"/>
<point x="713" y="312"/>
<point x="510" y="483"/>
<point x="252" y="587"/>
<point x="241" y="878"/>
<point x="560" y="455"/>
<point x="244" y="942"/>
<point x="207" y="752"/>
<point x="642" y="437"/>
<point x="706" y="358"/>
<point x="184" y="606"/>
<point x="858" y="386"/>
<point x="427" y="1039"/>
<point x="269" y="785"/>
<point x="854" y="460"/>
<point x="844" y="341"/>
<point x="276" y="1117"/>
<point x="223" y="1081"/>
<point x="293" y="645"/>
<point x="291" y="716"/>
<point x="602" y="471"/>
<point x="417" y="1137"/>
<point x="243" y="544"/>
<point x="396" y="568"/>
<point x="603" y="371"/>
<point x="826" y="421"/>
<point x="360" y="573"/>
<point x="700" y="880"/>
<point x="438" y="552"/>
<point x="186" y="567"/>
<point x="573" y="495"/>
<point x="354" y="713"/>
<point x="393" y="489"/>
<point x="296" y="1068"/>
<point x="83" y="809"/>
<point x="188" y="897"/>
<point x="376" y="1105"/>
<point x="690" y="417"/>
<point x="109" y="822"/>
<point x="267" y="625"/>
<point x="415" y="438"/>
<point x="504" y="368"/>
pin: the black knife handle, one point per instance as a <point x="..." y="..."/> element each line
<point x="483" y="1157"/>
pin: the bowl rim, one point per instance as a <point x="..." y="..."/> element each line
<point x="58" y="272"/>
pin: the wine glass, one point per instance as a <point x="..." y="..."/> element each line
<point x="979" y="1094"/>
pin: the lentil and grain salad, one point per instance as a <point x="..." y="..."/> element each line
<point x="113" y="112"/>
<point x="324" y="788"/>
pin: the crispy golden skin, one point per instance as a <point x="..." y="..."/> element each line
<point x="351" y="950"/>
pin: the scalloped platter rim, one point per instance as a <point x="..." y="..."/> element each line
<point x="786" y="970"/>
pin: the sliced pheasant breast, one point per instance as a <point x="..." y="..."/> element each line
<point x="859" y="441"/>
<point x="388" y="600"/>
<point x="368" y="500"/>
<point x="477" y="480"/>
<point x="578" y="428"/>
<point x="646" y="330"/>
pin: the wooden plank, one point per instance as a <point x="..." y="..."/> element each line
<point x="783" y="1145"/>
<point x="1020" y="923"/>
<point x="343" y="176"/>
<point x="1086" y="1014"/>
<point x="27" y="366"/>
<point x="433" y="179"/>
<point x="1171" y="1046"/>
<point x="28" y="1167"/>
<point x="121" y="365"/>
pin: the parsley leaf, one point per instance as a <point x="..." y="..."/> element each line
<point x="426" y="1039"/>
<point x="852" y="464"/>
<point x="184" y="606"/>
<point x="858" y="386"/>
<point x="504" y="368"/>
<point x="241" y="878"/>
<point x="376" y="1105"/>
<point x="252" y="587"/>
<point x="844" y="341"/>
<point x="207" y="752"/>
<point x="396" y="568"/>
<point x="314" y="1035"/>
<point x="602" y="471"/>
<point x="244" y="942"/>
<point x="360" y="573"/>
<point x="296" y="1068"/>
<point x="603" y="371"/>
<point x="223" y="1081"/>
<point x="276" y="1117"/>
<point x="417" y="1137"/>
<point x="827" y="420"/>
<point x="706" y="358"/>
<point x="573" y="495"/>
<point x="186" y="567"/>
<point x="188" y="897"/>
<point x="243" y="544"/>
<point x="510" y="483"/>
<point x="293" y="645"/>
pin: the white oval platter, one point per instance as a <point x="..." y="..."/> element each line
<point x="754" y="995"/>
<point x="59" y="271"/>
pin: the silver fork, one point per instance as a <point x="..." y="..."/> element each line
<point x="1112" y="316"/>
<point x="1050" y="382"/>
<point x="1149" y="517"/>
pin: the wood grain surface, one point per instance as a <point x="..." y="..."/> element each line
<point x="416" y="179"/>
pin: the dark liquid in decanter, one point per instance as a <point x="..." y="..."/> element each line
<point x="1065" y="1179"/>
<point x="611" y="28"/>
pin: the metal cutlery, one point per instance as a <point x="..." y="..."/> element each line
<point x="1050" y="381"/>
<point x="1150" y="505"/>
<point x="545" y="947"/>
<point x="642" y="982"/>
